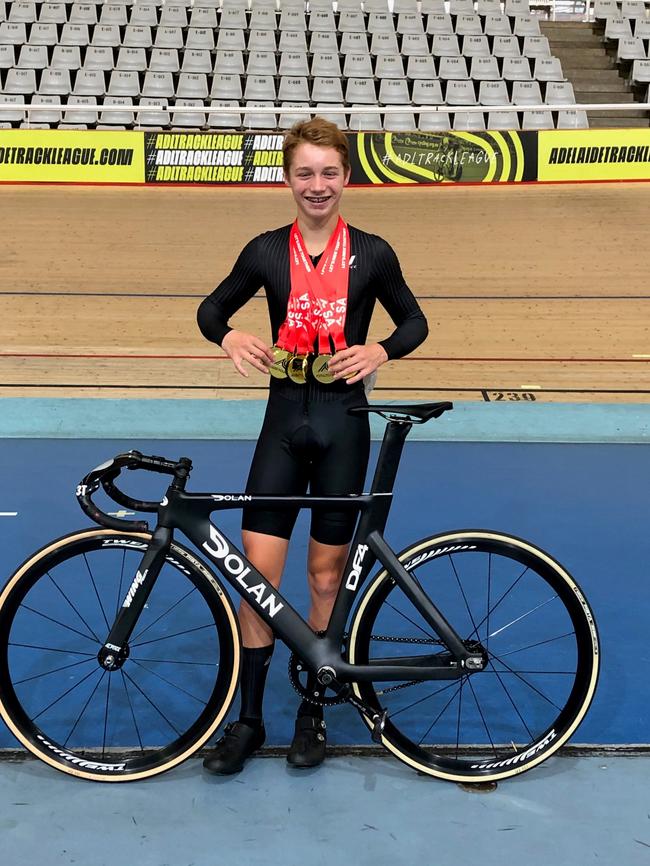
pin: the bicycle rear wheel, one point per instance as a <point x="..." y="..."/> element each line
<point x="532" y="621"/>
<point x="172" y="691"/>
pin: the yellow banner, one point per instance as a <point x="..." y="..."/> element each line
<point x="71" y="156"/>
<point x="594" y="154"/>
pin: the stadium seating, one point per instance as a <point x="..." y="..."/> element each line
<point x="239" y="55"/>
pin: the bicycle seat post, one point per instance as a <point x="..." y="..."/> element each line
<point x="389" y="456"/>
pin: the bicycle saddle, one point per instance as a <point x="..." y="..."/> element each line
<point x="417" y="412"/>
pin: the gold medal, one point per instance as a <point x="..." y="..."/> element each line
<point x="297" y="369"/>
<point x="320" y="370"/>
<point x="278" y="368"/>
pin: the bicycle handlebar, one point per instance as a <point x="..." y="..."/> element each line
<point x="105" y="475"/>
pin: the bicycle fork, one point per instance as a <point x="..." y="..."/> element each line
<point x="115" y="650"/>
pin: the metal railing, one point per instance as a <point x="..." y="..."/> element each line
<point x="30" y="111"/>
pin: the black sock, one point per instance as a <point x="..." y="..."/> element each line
<point x="306" y="708"/>
<point x="255" y="666"/>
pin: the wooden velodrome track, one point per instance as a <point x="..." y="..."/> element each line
<point x="531" y="292"/>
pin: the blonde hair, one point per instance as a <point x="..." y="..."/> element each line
<point x="320" y="132"/>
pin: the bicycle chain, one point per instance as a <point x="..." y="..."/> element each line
<point x="417" y="640"/>
<point x="296" y="666"/>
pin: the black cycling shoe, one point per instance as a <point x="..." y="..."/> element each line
<point x="238" y="743"/>
<point x="309" y="741"/>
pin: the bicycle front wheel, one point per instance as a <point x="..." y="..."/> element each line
<point x="532" y="622"/>
<point x="163" y="703"/>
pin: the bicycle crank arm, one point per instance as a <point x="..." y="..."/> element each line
<point x="378" y="719"/>
<point x="344" y="690"/>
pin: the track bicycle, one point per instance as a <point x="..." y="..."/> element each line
<point x="471" y="655"/>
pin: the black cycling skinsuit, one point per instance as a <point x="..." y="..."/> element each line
<point x="307" y="438"/>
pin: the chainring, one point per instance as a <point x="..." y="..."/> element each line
<point x="297" y="669"/>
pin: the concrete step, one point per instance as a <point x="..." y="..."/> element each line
<point x="617" y="115"/>
<point x="561" y="45"/>
<point x="583" y="59"/>
<point x="603" y="96"/>
<point x="580" y="75"/>
<point x="579" y="40"/>
<point x="618" y="122"/>
<point x="566" y="25"/>
<point x="610" y="84"/>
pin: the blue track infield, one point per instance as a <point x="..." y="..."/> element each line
<point x="241" y="419"/>
<point x="584" y="503"/>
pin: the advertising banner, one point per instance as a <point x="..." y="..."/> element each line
<point x="594" y="154"/>
<point x="377" y="158"/>
<point x="71" y="156"/>
<point x="226" y="158"/>
<point x="443" y="157"/>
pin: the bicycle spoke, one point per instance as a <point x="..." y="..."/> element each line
<point x="176" y="662"/>
<point x="169" y="609"/>
<point x="176" y="634"/>
<point x="119" y="588"/>
<point x="56" y="621"/>
<point x="462" y="592"/>
<point x="67" y="692"/>
<point x="482" y="715"/>
<point x="135" y="722"/>
<point x="83" y="710"/>
<point x="170" y="683"/>
<point x="408" y="619"/>
<point x="53" y="671"/>
<point x="539" y="643"/>
<point x="74" y="608"/>
<point x="108" y="698"/>
<point x="51" y="649"/>
<point x="526" y="682"/>
<point x="92" y="580"/>
<point x="523" y="616"/>
<point x="440" y="714"/>
<point x="503" y="596"/>
<point x="421" y="700"/>
<point x="544" y="672"/>
<point x="460" y="708"/>
<point x="514" y="706"/>
<point x="151" y="703"/>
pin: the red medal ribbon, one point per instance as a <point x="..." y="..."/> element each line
<point x="319" y="295"/>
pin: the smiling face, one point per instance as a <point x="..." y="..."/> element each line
<point x="316" y="177"/>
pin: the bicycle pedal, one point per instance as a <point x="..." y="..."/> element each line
<point x="379" y="723"/>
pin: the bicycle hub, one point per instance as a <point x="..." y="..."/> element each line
<point x="479" y="661"/>
<point x="112" y="659"/>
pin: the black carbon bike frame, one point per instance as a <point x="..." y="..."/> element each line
<point x="191" y="513"/>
